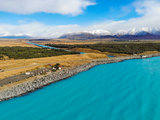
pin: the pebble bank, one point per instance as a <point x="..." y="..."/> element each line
<point x="29" y="86"/>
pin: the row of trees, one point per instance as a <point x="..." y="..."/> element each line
<point x="129" y="48"/>
<point x="29" y="52"/>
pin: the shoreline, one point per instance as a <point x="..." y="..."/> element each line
<point x="38" y="83"/>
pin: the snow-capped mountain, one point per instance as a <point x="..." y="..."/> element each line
<point x="133" y="33"/>
<point x="99" y="32"/>
<point x="143" y="33"/>
<point x="138" y="31"/>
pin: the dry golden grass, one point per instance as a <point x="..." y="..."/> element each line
<point x="15" y="43"/>
<point x="87" y="50"/>
<point x="93" y="41"/>
<point x="67" y="42"/>
<point x="119" y="55"/>
<point x="149" y="52"/>
<point x="73" y="42"/>
<point x="13" y="67"/>
<point x="115" y="54"/>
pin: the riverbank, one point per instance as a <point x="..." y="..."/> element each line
<point x="36" y="83"/>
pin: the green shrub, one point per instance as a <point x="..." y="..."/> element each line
<point x="30" y="52"/>
<point x="129" y="48"/>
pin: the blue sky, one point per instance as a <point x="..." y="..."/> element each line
<point x="103" y="10"/>
<point x="67" y="16"/>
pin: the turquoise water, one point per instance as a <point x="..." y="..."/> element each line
<point x="128" y="90"/>
<point x="83" y="53"/>
<point x="111" y="56"/>
<point x="43" y="46"/>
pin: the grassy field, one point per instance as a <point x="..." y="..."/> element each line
<point x="95" y="50"/>
<point x="67" y="42"/>
<point x="13" y="67"/>
<point x="118" y="48"/>
<point x="13" y="43"/>
<point x="86" y="50"/>
<point x="30" y="52"/>
<point x="18" y="49"/>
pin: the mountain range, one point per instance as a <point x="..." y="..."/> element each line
<point x="147" y="34"/>
<point x="16" y="37"/>
<point x="142" y="35"/>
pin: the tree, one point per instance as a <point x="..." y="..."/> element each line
<point x="57" y="65"/>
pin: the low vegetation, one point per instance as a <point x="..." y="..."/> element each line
<point x="14" y="67"/>
<point x="30" y="52"/>
<point x="54" y="67"/>
<point x="122" y="48"/>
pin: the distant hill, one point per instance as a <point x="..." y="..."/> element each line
<point x="80" y="36"/>
<point x="88" y="36"/>
<point x="16" y="37"/>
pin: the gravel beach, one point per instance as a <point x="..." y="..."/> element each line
<point x="37" y="83"/>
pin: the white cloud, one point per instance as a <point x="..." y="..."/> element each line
<point x="73" y="7"/>
<point x="149" y="20"/>
<point x="36" y="29"/>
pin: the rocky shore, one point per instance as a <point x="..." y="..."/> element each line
<point x="37" y="83"/>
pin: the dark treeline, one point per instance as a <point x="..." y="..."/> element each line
<point x="29" y="52"/>
<point x="125" y="48"/>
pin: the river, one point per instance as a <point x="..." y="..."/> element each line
<point x="128" y="90"/>
<point x="54" y="48"/>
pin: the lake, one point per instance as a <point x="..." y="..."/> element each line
<point x="128" y="90"/>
